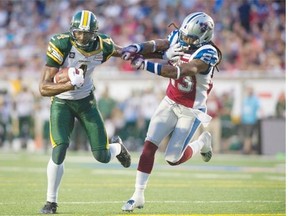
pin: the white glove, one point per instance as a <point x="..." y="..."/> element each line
<point x="174" y="53"/>
<point x="76" y="76"/>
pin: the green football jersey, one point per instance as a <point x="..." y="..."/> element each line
<point x="63" y="52"/>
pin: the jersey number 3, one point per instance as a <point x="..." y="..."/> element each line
<point x="186" y="85"/>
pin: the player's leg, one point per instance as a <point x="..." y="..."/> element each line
<point x="180" y="148"/>
<point x="61" y="126"/>
<point x="248" y="134"/>
<point x="161" y="125"/>
<point x="91" y="119"/>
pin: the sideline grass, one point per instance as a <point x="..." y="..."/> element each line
<point x="228" y="185"/>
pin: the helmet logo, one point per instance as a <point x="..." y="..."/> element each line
<point x="204" y="27"/>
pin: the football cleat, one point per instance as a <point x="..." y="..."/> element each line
<point x="49" y="208"/>
<point x="206" y="151"/>
<point x="131" y="204"/>
<point x="124" y="157"/>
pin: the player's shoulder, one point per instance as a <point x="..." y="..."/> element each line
<point x="173" y="36"/>
<point x="207" y="53"/>
<point x="62" y="40"/>
<point x="58" y="48"/>
<point x="107" y="45"/>
<point x="105" y="38"/>
<point x="206" y="49"/>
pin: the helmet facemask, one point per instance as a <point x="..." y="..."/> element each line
<point x="84" y="28"/>
<point x="196" y="30"/>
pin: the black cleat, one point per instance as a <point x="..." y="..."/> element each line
<point x="49" y="208"/>
<point x="124" y="156"/>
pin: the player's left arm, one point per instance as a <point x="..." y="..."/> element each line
<point x="203" y="59"/>
<point x="186" y="69"/>
<point x="175" y="72"/>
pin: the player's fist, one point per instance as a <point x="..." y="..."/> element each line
<point x="138" y="62"/>
<point x="174" y="53"/>
<point x="76" y="76"/>
<point x="129" y="52"/>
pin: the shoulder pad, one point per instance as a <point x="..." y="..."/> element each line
<point x="58" y="46"/>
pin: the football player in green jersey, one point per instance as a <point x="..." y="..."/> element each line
<point x="81" y="50"/>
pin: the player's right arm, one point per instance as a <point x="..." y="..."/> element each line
<point x="55" y="56"/>
<point x="149" y="49"/>
<point x="47" y="87"/>
<point x="202" y="61"/>
<point x="166" y="49"/>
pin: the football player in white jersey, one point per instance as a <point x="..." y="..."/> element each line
<point x="81" y="50"/>
<point x="192" y="59"/>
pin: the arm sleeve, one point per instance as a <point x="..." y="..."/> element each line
<point x="57" y="50"/>
<point x="208" y="55"/>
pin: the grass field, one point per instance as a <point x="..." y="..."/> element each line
<point x="227" y="185"/>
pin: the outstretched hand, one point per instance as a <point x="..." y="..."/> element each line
<point x="129" y="52"/>
<point x="138" y="62"/>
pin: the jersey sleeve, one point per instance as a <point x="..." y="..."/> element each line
<point x="57" y="50"/>
<point x="173" y="37"/>
<point x="108" y="46"/>
<point x="207" y="54"/>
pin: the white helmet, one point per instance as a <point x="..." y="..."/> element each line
<point x="196" y="29"/>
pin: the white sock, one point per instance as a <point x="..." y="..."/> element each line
<point x="140" y="184"/>
<point x="54" y="175"/>
<point x="115" y="149"/>
<point x="196" y="146"/>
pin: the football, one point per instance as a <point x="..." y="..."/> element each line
<point x="61" y="76"/>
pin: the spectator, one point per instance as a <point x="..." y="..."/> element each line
<point x="214" y="106"/>
<point x="24" y="107"/>
<point x="239" y="22"/>
<point x="281" y="106"/>
<point x="106" y="104"/>
<point x="249" y="119"/>
<point x="227" y="126"/>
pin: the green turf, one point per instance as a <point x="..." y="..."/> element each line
<point x="227" y="185"/>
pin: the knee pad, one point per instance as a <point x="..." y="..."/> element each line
<point x="103" y="156"/>
<point x="59" y="153"/>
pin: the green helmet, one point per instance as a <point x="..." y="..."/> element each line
<point x="84" y="21"/>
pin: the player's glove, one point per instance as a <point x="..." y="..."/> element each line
<point x="129" y="52"/>
<point x="174" y="53"/>
<point x="76" y="77"/>
<point x="138" y="62"/>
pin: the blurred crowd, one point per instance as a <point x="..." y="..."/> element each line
<point x="250" y="33"/>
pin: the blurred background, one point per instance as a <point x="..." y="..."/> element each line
<point x="250" y="33"/>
